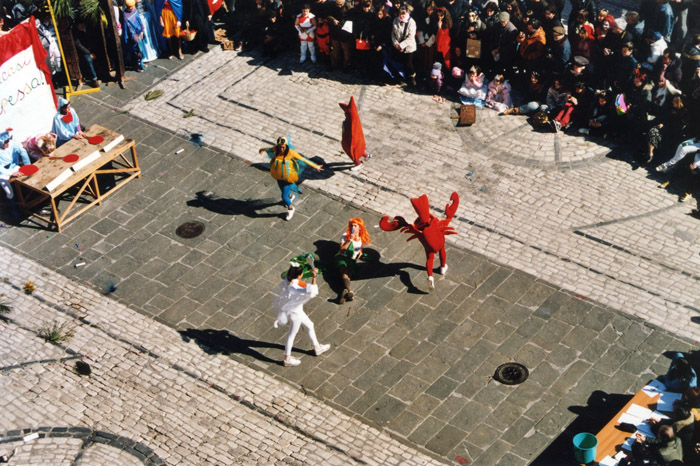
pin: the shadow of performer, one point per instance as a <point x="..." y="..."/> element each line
<point x="224" y="342"/>
<point x="228" y="206"/>
<point x="369" y="266"/>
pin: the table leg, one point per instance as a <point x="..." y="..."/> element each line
<point x="136" y="160"/>
<point x="56" y="218"/>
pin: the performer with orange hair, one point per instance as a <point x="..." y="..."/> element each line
<point x="351" y="244"/>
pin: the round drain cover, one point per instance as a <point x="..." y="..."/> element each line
<point x="190" y="230"/>
<point x="511" y="373"/>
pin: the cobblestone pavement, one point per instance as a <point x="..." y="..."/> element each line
<point x="562" y="208"/>
<point x="539" y="237"/>
<point x="152" y="398"/>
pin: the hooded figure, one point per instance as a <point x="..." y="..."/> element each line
<point x="66" y="124"/>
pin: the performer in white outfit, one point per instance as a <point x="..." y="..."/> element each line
<point x="292" y="293"/>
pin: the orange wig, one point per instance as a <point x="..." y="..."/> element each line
<point x="364" y="235"/>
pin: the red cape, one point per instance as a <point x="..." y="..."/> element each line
<point x="353" y="137"/>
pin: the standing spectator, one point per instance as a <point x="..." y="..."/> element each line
<point x="342" y="40"/>
<point x="426" y="25"/>
<point x="47" y="34"/>
<point x="550" y="20"/>
<point x="403" y="38"/>
<point x="656" y="46"/>
<point x="532" y="45"/>
<point x="292" y="294"/>
<point x="622" y="66"/>
<point x="195" y="14"/>
<point x="171" y="21"/>
<point x="362" y="21"/>
<point x="661" y="20"/>
<point x="442" y="38"/>
<point x="634" y="30"/>
<point x="680" y="22"/>
<point x="381" y="43"/>
<point x="558" y="51"/>
<point x="133" y="36"/>
<point x="504" y="43"/>
<point x="305" y="25"/>
<point x="589" y="6"/>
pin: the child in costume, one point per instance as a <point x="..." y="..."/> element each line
<point x="306" y="25"/>
<point x="292" y="294"/>
<point x="345" y="260"/>
<point x="41" y="145"/>
<point x="66" y="124"/>
<point x="286" y="166"/>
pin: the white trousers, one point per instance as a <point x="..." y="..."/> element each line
<point x="307" y="45"/>
<point x="684" y="148"/>
<point x="296" y="320"/>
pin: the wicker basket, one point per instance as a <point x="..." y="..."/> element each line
<point x="188" y="35"/>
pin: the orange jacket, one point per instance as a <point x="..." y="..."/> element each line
<point x="532" y="47"/>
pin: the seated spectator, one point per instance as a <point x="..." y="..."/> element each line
<point x="535" y="96"/>
<point x="557" y="95"/>
<point x="641" y="455"/>
<point x="12" y="156"/>
<point x="667" y="444"/>
<point x="66" y="124"/>
<point x="574" y="111"/>
<point x="82" y="42"/>
<point x="668" y="127"/>
<point x="578" y="70"/>
<point x="669" y="68"/>
<point x="474" y="89"/>
<point x="600" y="116"/>
<point x="681" y="375"/>
<point x="498" y="94"/>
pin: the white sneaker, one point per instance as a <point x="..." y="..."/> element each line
<point x="431" y="283"/>
<point x="292" y="196"/>
<point x="584" y="131"/>
<point x="320" y="349"/>
<point x="291" y="361"/>
<point x="290" y="214"/>
<point x="357" y="167"/>
<point x="443" y="270"/>
<point x="368" y="156"/>
<point x="662" y="168"/>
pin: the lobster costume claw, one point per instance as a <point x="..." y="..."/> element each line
<point x="451" y="209"/>
<point x="392" y="225"/>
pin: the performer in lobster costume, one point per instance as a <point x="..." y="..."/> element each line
<point x="353" y="141"/>
<point x="429" y="230"/>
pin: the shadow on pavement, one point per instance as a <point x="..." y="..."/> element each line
<point x="227" y="206"/>
<point x="591" y="418"/>
<point x="224" y="342"/>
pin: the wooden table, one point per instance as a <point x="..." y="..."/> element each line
<point x="610" y="437"/>
<point x="36" y="189"/>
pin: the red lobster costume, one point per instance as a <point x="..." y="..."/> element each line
<point x="429" y="230"/>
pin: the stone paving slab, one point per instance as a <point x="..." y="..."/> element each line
<point x="414" y="365"/>
<point x="566" y="209"/>
<point x="152" y="398"/>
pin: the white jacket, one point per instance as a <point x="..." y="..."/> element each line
<point x="291" y="297"/>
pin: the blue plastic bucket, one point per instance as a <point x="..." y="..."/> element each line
<point x="585" y="445"/>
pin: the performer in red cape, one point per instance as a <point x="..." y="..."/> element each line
<point x="353" y="137"/>
<point x="429" y="230"/>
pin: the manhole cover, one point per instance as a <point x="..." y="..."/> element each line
<point x="190" y="230"/>
<point x="511" y="373"/>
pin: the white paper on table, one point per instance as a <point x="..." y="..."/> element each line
<point x="620" y="454"/>
<point x="659" y="416"/>
<point x="639" y="411"/>
<point x="654" y="388"/>
<point x="347" y="27"/>
<point x="65" y="174"/>
<point x="666" y="400"/>
<point x="629" y="419"/>
<point x="608" y="461"/>
<point x="112" y="144"/>
<point x="83" y="162"/>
